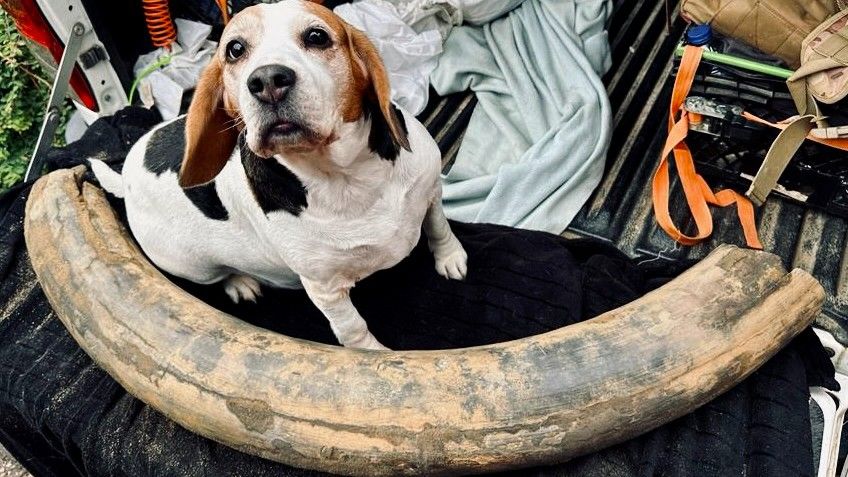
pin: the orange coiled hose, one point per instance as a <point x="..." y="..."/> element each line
<point x="159" y="24"/>
<point x="225" y="14"/>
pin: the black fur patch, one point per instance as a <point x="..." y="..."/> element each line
<point x="206" y="198"/>
<point x="274" y="185"/>
<point x="165" y="148"/>
<point x="380" y="137"/>
<point x="165" y="153"/>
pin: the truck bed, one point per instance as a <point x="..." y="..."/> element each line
<point x="620" y="210"/>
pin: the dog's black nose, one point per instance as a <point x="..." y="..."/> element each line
<point x="270" y="83"/>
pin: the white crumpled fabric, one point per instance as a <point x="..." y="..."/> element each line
<point x="443" y="15"/>
<point x="424" y="15"/>
<point x="409" y="56"/>
<point x="164" y="87"/>
<point x="409" y="36"/>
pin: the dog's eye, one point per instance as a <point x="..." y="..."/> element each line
<point x="235" y="49"/>
<point x="317" y="38"/>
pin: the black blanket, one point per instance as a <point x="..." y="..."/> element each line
<point x="62" y="415"/>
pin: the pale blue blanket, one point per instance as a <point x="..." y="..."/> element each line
<point x="537" y="141"/>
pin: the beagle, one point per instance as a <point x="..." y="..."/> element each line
<point x="291" y="169"/>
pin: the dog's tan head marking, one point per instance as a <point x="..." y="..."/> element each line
<point x="369" y="82"/>
<point x="289" y="76"/>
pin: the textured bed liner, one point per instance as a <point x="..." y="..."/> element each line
<point x="620" y="211"/>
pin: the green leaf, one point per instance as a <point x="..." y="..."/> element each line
<point x="23" y="99"/>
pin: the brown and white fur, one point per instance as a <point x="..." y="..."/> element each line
<point x="294" y="169"/>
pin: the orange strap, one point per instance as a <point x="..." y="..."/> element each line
<point x="695" y="188"/>
<point x="225" y="12"/>
<point x="840" y="143"/>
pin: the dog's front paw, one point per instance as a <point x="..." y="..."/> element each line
<point x="451" y="259"/>
<point x="241" y="287"/>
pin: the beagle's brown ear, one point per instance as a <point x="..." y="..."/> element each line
<point x="209" y="133"/>
<point x="376" y="90"/>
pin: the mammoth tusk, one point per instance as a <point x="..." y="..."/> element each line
<point x="538" y="400"/>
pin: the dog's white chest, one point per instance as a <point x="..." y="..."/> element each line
<point x="323" y="243"/>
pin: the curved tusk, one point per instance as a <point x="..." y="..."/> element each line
<point x="537" y="400"/>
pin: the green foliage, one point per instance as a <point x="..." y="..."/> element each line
<point x="24" y="91"/>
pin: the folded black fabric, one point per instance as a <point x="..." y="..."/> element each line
<point x="62" y="415"/>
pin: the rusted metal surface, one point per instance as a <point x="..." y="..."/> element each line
<point x="538" y="400"/>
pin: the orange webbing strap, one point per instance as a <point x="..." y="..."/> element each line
<point x="695" y="188"/>
<point x="840" y="143"/>
<point x="225" y="12"/>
